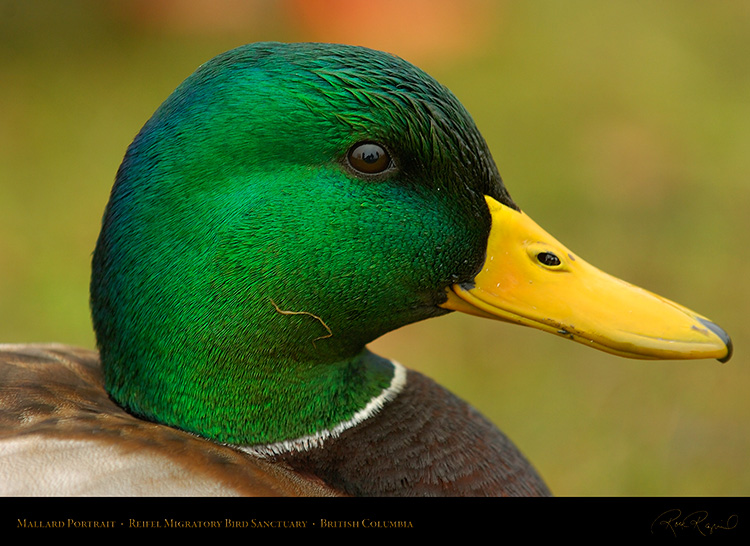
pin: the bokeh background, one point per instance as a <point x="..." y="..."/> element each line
<point x="622" y="127"/>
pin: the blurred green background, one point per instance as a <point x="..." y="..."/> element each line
<point x="621" y="127"/>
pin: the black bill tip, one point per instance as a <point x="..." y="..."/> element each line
<point x="719" y="331"/>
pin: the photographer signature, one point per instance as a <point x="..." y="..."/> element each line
<point x="698" y="521"/>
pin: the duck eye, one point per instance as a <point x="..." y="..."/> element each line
<point x="548" y="259"/>
<point x="369" y="158"/>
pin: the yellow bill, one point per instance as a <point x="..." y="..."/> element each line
<point x="530" y="278"/>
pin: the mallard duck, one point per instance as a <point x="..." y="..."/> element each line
<point x="285" y="206"/>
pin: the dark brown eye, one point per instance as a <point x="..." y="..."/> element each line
<point x="369" y="158"/>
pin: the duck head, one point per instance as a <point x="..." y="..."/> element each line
<point x="288" y="204"/>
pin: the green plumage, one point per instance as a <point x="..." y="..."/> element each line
<point x="243" y="264"/>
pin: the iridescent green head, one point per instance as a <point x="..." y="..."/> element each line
<point x="286" y="205"/>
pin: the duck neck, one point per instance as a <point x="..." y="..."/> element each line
<point x="375" y="404"/>
<point x="247" y="398"/>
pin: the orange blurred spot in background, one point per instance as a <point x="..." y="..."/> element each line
<point x="415" y="29"/>
<point x="418" y="30"/>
